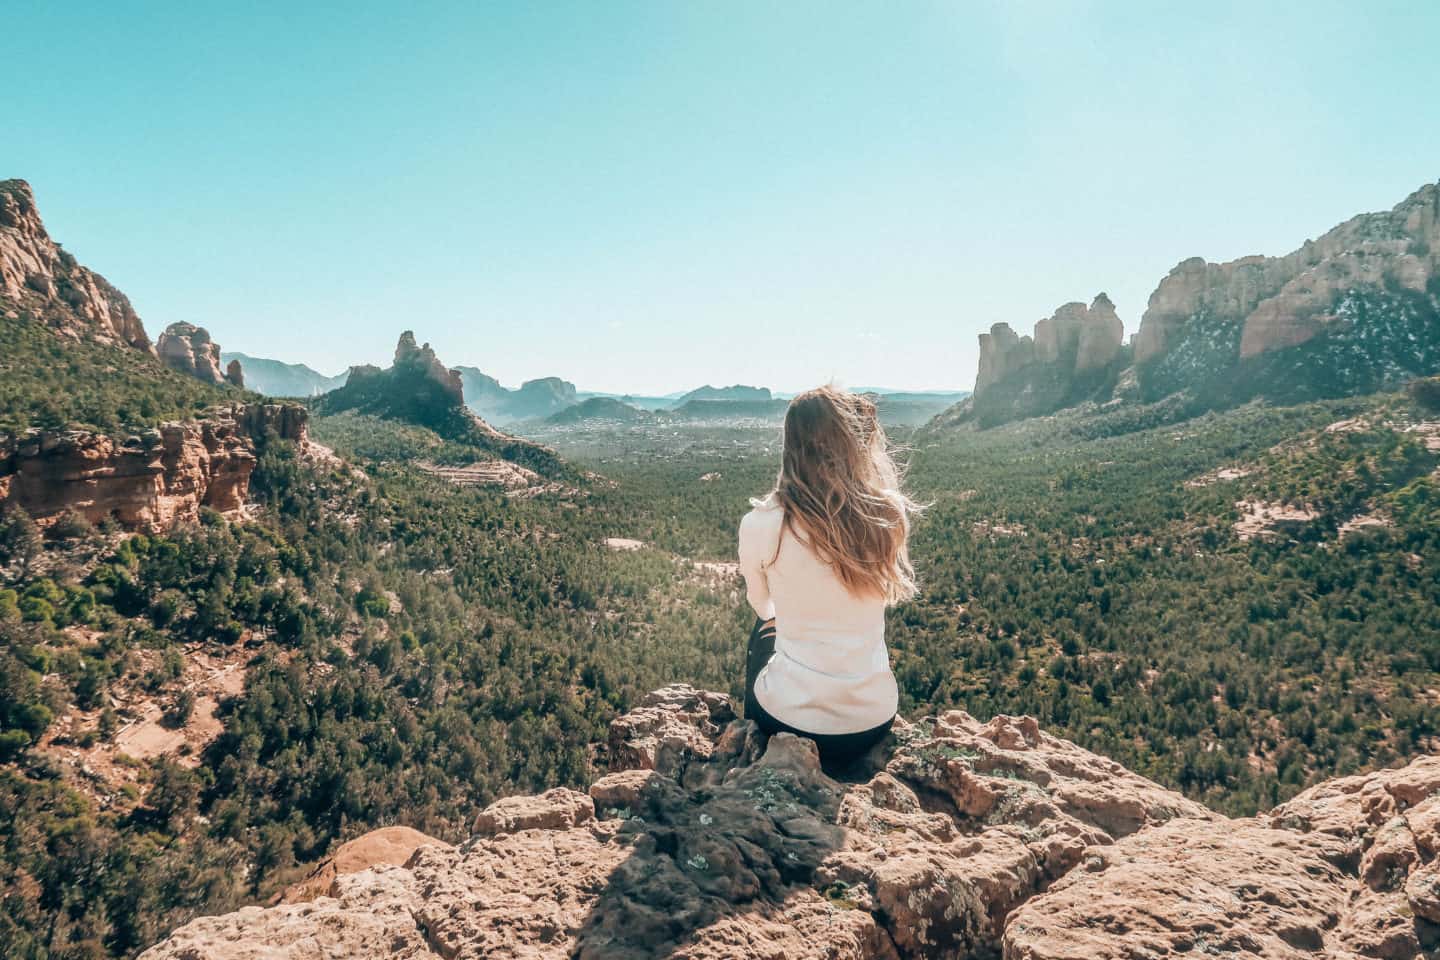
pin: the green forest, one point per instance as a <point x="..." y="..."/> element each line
<point x="411" y="650"/>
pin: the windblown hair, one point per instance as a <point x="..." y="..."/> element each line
<point x="840" y="489"/>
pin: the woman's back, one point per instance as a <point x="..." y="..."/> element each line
<point x="831" y="671"/>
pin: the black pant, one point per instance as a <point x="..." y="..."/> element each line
<point x="835" y="748"/>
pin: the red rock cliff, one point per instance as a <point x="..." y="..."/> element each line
<point x="38" y="277"/>
<point x="149" y="481"/>
<point x="188" y="349"/>
<point x="1285" y="301"/>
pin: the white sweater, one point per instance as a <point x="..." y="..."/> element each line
<point x="831" y="671"/>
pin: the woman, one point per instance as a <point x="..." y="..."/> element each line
<point x="823" y="555"/>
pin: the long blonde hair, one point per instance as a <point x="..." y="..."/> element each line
<point x="840" y="486"/>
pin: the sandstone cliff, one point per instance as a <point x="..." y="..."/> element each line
<point x="148" y="481"/>
<point x="39" y="278"/>
<point x="188" y="349"/>
<point x="1073" y="356"/>
<point x="956" y="839"/>
<point x="1363" y="300"/>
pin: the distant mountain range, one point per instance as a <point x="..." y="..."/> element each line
<point x="275" y="378"/>
<point x="501" y="405"/>
<point x="555" y="401"/>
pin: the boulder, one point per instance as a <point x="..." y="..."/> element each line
<point x="188" y="349"/>
<point x="1344" y="870"/>
<point x="387" y="845"/>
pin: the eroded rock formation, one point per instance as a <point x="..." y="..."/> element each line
<point x="149" y="481"/>
<point x="1074" y="355"/>
<point x="408" y="356"/>
<point x="39" y="278"/>
<point x="1346" y="870"/>
<point x="188" y="349"/>
<point x="235" y="374"/>
<point x="707" y="841"/>
<point x="388" y="845"/>
<point x="1364" y="295"/>
<point x="419" y="389"/>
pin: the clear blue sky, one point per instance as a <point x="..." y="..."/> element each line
<point x="647" y="196"/>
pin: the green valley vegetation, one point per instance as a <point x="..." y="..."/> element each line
<point x="1235" y="604"/>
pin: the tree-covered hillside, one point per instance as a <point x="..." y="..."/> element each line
<point x="50" y="382"/>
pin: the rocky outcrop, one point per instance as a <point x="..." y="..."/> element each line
<point x="1188" y="888"/>
<point x="422" y="360"/>
<point x="1074" y="355"/>
<point x="235" y="374"/>
<point x="421" y="390"/>
<point x="1346" y="870"/>
<point x="1003" y="353"/>
<point x="388" y="845"/>
<point x="418" y="388"/>
<point x="39" y="278"/>
<point x="706" y="840"/>
<point x="1364" y="295"/>
<point x="542" y="397"/>
<point x="188" y="349"/>
<point x="148" y="481"/>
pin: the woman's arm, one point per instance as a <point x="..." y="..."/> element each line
<point x="753" y="553"/>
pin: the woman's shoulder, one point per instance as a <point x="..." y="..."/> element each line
<point x="763" y="520"/>
<point x="766" y="504"/>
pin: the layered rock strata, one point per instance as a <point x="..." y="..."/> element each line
<point x="1361" y="296"/>
<point x="149" y="481"/>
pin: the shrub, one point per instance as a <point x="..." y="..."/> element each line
<point x="37" y="609"/>
<point x="371" y="602"/>
<point x="1425" y="392"/>
<point x="71" y="526"/>
<point x="9" y="605"/>
<point x="182" y="708"/>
